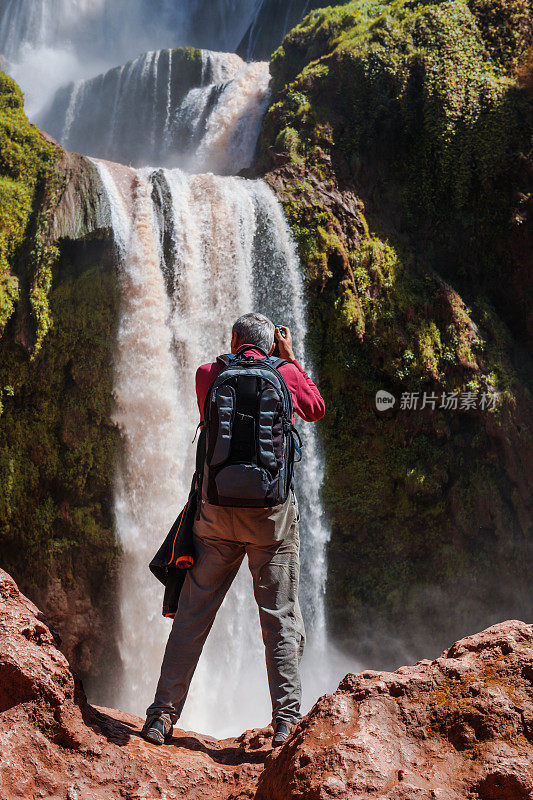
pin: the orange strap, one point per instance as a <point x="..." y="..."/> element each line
<point x="177" y="532"/>
<point x="184" y="562"/>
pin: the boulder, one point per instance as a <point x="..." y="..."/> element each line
<point x="53" y="744"/>
<point x="460" y="726"/>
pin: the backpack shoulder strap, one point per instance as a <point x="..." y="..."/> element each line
<point x="278" y="362"/>
<point x="226" y="359"/>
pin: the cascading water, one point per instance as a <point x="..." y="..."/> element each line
<point x="232" y="127"/>
<point x="44" y="40"/>
<point x="200" y="111"/>
<point x="213" y="248"/>
<point x="117" y="28"/>
<point x="149" y="417"/>
<point x="106" y="25"/>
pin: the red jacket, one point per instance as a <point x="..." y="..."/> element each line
<point x="306" y="398"/>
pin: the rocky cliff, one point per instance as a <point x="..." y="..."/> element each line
<point x="272" y="20"/>
<point x="460" y="726"/>
<point x="58" y="302"/>
<point x="398" y="139"/>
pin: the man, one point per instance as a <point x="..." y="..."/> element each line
<point x="222" y="536"/>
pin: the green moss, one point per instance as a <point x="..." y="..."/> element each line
<point x="414" y="90"/>
<point x="58" y="447"/>
<point x="288" y="141"/>
<point x="507" y="29"/>
<point x="9" y="294"/>
<point x="57" y="443"/>
<point x="27" y="165"/>
<point x="187" y="71"/>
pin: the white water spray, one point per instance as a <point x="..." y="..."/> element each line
<point x="46" y="40"/>
<point x="205" y="242"/>
<point x="149" y="417"/>
<point x="232" y="129"/>
<point x="201" y="114"/>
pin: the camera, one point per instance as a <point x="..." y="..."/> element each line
<point x="276" y="353"/>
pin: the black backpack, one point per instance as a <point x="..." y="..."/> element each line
<point x="246" y="450"/>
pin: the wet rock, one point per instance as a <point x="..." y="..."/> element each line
<point x="454" y="728"/>
<point x="81" y="208"/>
<point x="53" y="744"/>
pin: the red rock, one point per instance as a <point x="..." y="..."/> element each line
<point x="460" y="726"/>
<point x="457" y="727"/>
<point x="53" y="744"/>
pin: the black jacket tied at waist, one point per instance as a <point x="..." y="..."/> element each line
<point x="176" y="554"/>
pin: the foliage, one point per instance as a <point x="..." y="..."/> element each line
<point x="507" y="29"/>
<point x="412" y="99"/>
<point x="27" y="173"/>
<point x="393" y="138"/>
<point x="58" y="446"/>
<point x="57" y="443"/>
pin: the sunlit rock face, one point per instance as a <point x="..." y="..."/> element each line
<point x="456" y="727"/>
<point x="65" y="748"/>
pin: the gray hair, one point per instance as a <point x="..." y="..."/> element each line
<point x="255" y="329"/>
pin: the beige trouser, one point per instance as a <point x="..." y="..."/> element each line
<point x="222" y="536"/>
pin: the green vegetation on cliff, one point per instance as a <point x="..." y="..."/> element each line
<point x="57" y="442"/>
<point x="419" y="104"/>
<point x="398" y="139"/>
<point x="26" y="173"/>
<point x="58" y="309"/>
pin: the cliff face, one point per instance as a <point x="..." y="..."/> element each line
<point x="456" y="727"/>
<point x="272" y="21"/>
<point x="57" y="444"/>
<point x="398" y="139"/>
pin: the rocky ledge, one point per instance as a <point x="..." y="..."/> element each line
<point x="460" y="726"/>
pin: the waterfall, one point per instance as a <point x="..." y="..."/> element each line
<point x="196" y="251"/>
<point x="46" y="40"/>
<point x="232" y="128"/>
<point x="201" y="111"/>
<point x="114" y="27"/>
<point x="148" y="480"/>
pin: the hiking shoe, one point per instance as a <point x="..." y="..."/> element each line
<point x="281" y="734"/>
<point x="157" y="730"/>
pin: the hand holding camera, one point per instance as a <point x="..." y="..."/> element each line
<point x="284" y="343"/>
